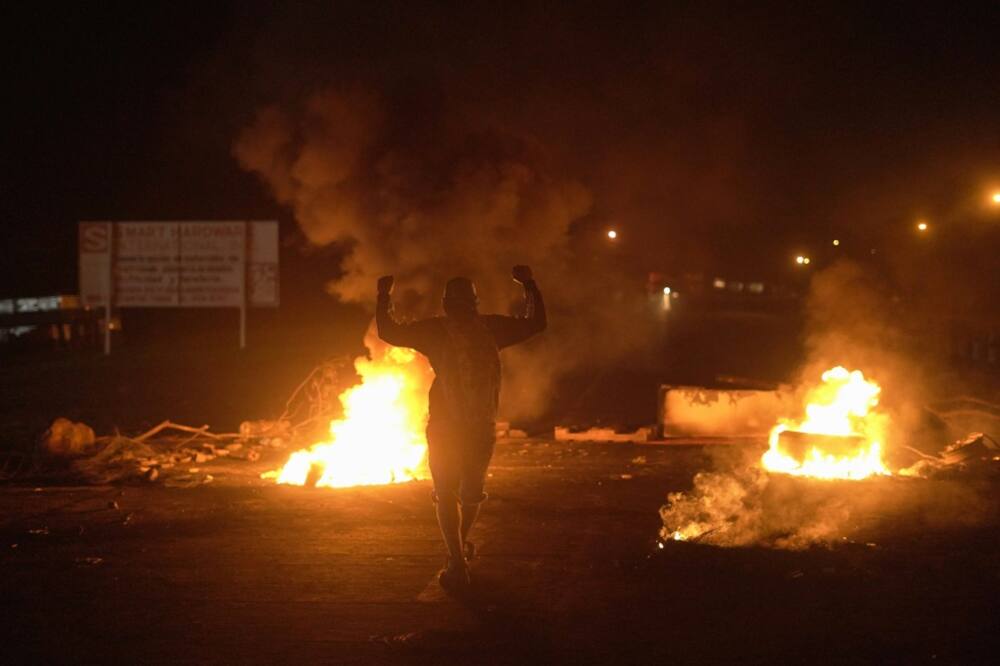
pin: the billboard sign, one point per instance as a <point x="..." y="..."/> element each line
<point x="179" y="264"/>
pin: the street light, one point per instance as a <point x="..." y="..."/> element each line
<point x="836" y="242"/>
<point x="922" y="226"/>
<point x="995" y="198"/>
<point x="802" y="260"/>
<point x="612" y="234"/>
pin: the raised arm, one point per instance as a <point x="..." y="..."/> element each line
<point x="512" y="330"/>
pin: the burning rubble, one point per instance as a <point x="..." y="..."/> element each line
<point x="842" y="435"/>
<point x="380" y="438"/>
<point x="814" y="478"/>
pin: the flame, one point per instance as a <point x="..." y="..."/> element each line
<point x="380" y="438"/>
<point x="845" y="404"/>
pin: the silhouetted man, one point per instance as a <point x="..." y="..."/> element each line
<point x="463" y="348"/>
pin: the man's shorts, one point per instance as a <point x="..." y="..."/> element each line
<point x="459" y="454"/>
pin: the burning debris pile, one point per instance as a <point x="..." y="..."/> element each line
<point x="376" y="434"/>
<point x="380" y="438"/>
<point x="817" y="476"/>
<point x="842" y="435"/>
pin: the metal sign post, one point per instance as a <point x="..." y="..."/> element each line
<point x="243" y="287"/>
<point x="108" y="286"/>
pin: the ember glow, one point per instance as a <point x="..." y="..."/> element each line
<point x="380" y="438"/>
<point x="844" y="408"/>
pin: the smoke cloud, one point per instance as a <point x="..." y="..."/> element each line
<point x="421" y="191"/>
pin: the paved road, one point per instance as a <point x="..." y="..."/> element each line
<point x="240" y="571"/>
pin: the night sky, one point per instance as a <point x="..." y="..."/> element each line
<point x="711" y="134"/>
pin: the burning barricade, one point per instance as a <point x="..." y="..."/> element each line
<point x="819" y="471"/>
<point x="842" y="435"/>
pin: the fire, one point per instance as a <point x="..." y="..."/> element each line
<point x="843" y="408"/>
<point x="380" y="438"/>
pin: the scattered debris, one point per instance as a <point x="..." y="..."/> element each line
<point x="264" y="429"/>
<point x="69" y="452"/>
<point x="188" y="480"/>
<point x="563" y="433"/>
<point x="976" y="449"/>
<point x="314" y="402"/>
<point x="89" y="561"/>
<point x="65" y="438"/>
<point x="170" y="425"/>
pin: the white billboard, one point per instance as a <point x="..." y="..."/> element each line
<point x="179" y="264"/>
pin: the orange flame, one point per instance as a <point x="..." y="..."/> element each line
<point x="844" y="405"/>
<point x="381" y="437"/>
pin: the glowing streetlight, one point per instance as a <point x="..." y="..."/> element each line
<point x="612" y="234"/>
<point x="802" y="260"/>
<point x="922" y="226"/>
<point x="995" y="198"/>
<point x="666" y="291"/>
<point x="836" y="242"/>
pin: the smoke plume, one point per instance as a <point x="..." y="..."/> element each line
<point x="417" y="189"/>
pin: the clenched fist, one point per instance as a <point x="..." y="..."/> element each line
<point x="385" y="285"/>
<point x="521" y="274"/>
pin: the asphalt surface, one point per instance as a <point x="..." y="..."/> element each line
<point x="242" y="571"/>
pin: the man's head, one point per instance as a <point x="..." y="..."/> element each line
<point x="460" y="298"/>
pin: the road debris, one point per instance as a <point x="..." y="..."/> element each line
<point x="89" y="561"/>
<point x="976" y="450"/>
<point x="69" y="452"/>
<point x="564" y="433"/>
<point x="67" y="438"/>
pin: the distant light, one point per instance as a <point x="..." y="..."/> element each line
<point x="800" y="259"/>
<point x="806" y="260"/>
<point x="995" y="198"/>
<point x="921" y="226"/>
<point x="836" y="242"/>
<point x="666" y="291"/>
<point x="719" y="283"/>
<point x="612" y="234"/>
